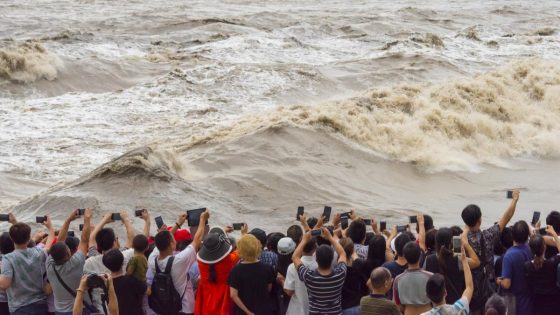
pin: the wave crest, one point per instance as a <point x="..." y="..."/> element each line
<point x="28" y="62"/>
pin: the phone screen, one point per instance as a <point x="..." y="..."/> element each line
<point x="41" y="219"/>
<point x="299" y="212"/>
<point x="401" y="228"/>
<point x="367" y="221"/>
<point x="344" y="222"/>
<point x="193" y="216"/>
<point x="138" y="213"/>
<point x="4" y="217"/>
<point x="81" y="211"/>
<point x="159" y="222"/>
<point x="542" y="231"/>
<point x="315" y="232"/>
<point x="383" y="225"/>
<point x="456" y="244"/>
<point x="71" y="233"/>
<point x="237" y="226"/>
<point x="413" y="219"/>
<point x="536" y="217"/>
<point x="116" y="216"/>
<point x="327" y="214"/>
<point x="510" y="194"/>
<point x="345" y="214"/>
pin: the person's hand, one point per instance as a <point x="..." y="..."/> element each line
<point x="124" y="216"/>
<point x="205" y="215"/>
<point x="107" y="218"/>
<point x="145" y="215"/>
<point x="320" y="221"/>
<point x="326" y="234"/>
<point x="306" y="237"/>
<point x="88" y="213"/>
<point x="244" y="229"/>
<point x="181" y="219"/>
<point x="48" y="223"/>
<point x="393" y="232"/>
<point x="515" y="195"/>
<point x="420" y="219"/>
<point x="228" y="228"/>
<point x="83" y="283"/>
<point x="336" y="220"/>
<point x="39" y="236"/>
<point x="538" y="225"/>
<point x="163" y="228"/>
<point x="303" y="219"/>
<point x="73" y="215"/>
<point x="550" y="231"/>
<point x="353" y="215"/>
<point x="499" y="280"/>
<point x="108" y="279"/>
<point x="12" y="218"/>
<point x="374" y="226"/>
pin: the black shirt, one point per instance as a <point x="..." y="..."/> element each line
<point x="542" y="285"/>
<point x="454" y="278"/>
<point x="130" y="294"/>
<point x="251" y="282"/>
<point x="354" y="287"/>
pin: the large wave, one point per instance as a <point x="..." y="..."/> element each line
<point x="28" y="62"/>
<point x="510" y="112"/>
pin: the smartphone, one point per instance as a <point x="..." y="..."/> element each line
<point x="138" y="213"/>
<point x="81" y="227"/>
<point x="115" y="216"/>
<point x="41" y="219"/>
<point x="457" y="244"/>
<point x="346" y="214"/>
<point x="193" y="216"/>
<point x="344" y="222"/>
<point x="299" y="212"/>
<point x="401" y="228"/>
<point x="4" y="217"/>
<point x="542" y="231"/>
<point x="536" y="217"/>
<point x="367" y="222"/>
<point x="159" y="222"/>
<point x="327" y="214"/>
<point x="510" y="194"/>
<point x="413" y="219"/>
<point x="71" y="233"/>
<point x="237" y="226"/>
<point x="81" y="211"/>
<point x="315" y="232"/>
<point x="382" y="226"/>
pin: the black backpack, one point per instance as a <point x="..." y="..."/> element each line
<point x="482" y="287"/>
<point x="165" y="299"/>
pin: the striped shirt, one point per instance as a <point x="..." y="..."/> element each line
<point x="461" y="307"/>
<point x="324" y="291"/>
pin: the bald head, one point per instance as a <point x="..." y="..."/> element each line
<point x="379" y="277"/>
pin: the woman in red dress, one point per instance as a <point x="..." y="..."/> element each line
<point x="215" y="261"/>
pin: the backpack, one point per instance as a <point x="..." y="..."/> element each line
<point x="165" y="299"/>
<point x="482" y="287"/>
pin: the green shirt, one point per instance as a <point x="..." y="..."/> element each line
<point x="378" y="305"/>
<point x="137" y="267"/>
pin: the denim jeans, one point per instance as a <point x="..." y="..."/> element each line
<point x="37" y="308"/>
<point x="351" y="311"/>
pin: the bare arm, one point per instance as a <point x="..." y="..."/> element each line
<point x="79" y="300"/>
<point x="296" y="257"/>
<point x="129" y="229"/>
<point x="473" y="260"/>
<point x="106" y="219"/>
<point x="180" y="221"/>
<point x="339" y="250"/>
<point x="469" y="286"/>
<point x="197" y="240"/>
<point x="63" y="233"/>
<point x="235" y="297"/>
<point x="550" y="230"/>
<point x="510" y="211"/>
<point x="84" y="238"/>
<point x="147" y="222"/>
<point x="304" y="225"/>
<point x="50" y="238"/>
<point x="421" y="232"/>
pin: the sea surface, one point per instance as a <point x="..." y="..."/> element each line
<point x="253" y="108"/>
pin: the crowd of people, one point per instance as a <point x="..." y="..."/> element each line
<point x="319" y="267"/>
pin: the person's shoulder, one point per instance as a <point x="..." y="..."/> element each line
<point x="461" y="304"/>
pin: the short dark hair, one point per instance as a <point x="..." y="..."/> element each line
<point x="431" y="239"/>
<point x="471" y="214"/>
<point x="310" y="246"/>
<point x="6" y="244"/>
<point x="113" y="260"/>
<point x="456" y="230"/>
<point x="553" y="218"/>
<point x="520" y="232"/>
<point x="140" y="243"/>
<point x="72" y="242"/>
<point x="105" y="239"/>
<point x="495" y="305"/>
<point x="20" y="233"/>
<point x="58" y="252"/>
<point x="357" y="231"/>
<point x="272" y="241"/>
<point x="163" y="240"/>
<point x="311" y="222"/>
<point x="412" y="252"/>
<point x="295" y="232"/>
<point x="506" y="237"/>
<point x="435" y="288"/>
<point x="400" y="241"/>
<point x="324" y="256"/>
<point x="379" y="276"/>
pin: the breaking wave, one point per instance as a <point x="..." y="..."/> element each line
<point x="28" y="62"/>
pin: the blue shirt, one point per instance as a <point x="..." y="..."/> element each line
<point x="513" y="268"/>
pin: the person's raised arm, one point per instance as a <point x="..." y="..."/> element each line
<point x="296" y="256"/>
<point x="63" y="232"/>
<point x="50" y="238"/>
<point x="79" y="300"/>
<point x="337" y="247"/>
<point x="12" y="218"/>
<point x="473" y="260"/>
<point x="197" y="240"/>
<point x="129" y="228"/>
<point x="147" y="222"/>
<point x="510" y="211"/>
<point x="106" y="219"/>
<point x="303" y="221"/>
<point x="180" y="221"/>
<point x="469" y="286"/>
<point x="84" y="238"/>
<point x="550" y="230"/>
<point x="421" y="232"/>
<point x="374" y="226"/>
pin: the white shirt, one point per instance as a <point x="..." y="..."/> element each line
<point x="299" y="303"/>
<point x="181" y="265"/>
<point x="95" y="264"/>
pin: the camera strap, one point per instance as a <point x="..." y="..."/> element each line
<point x="72" y="292"/>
